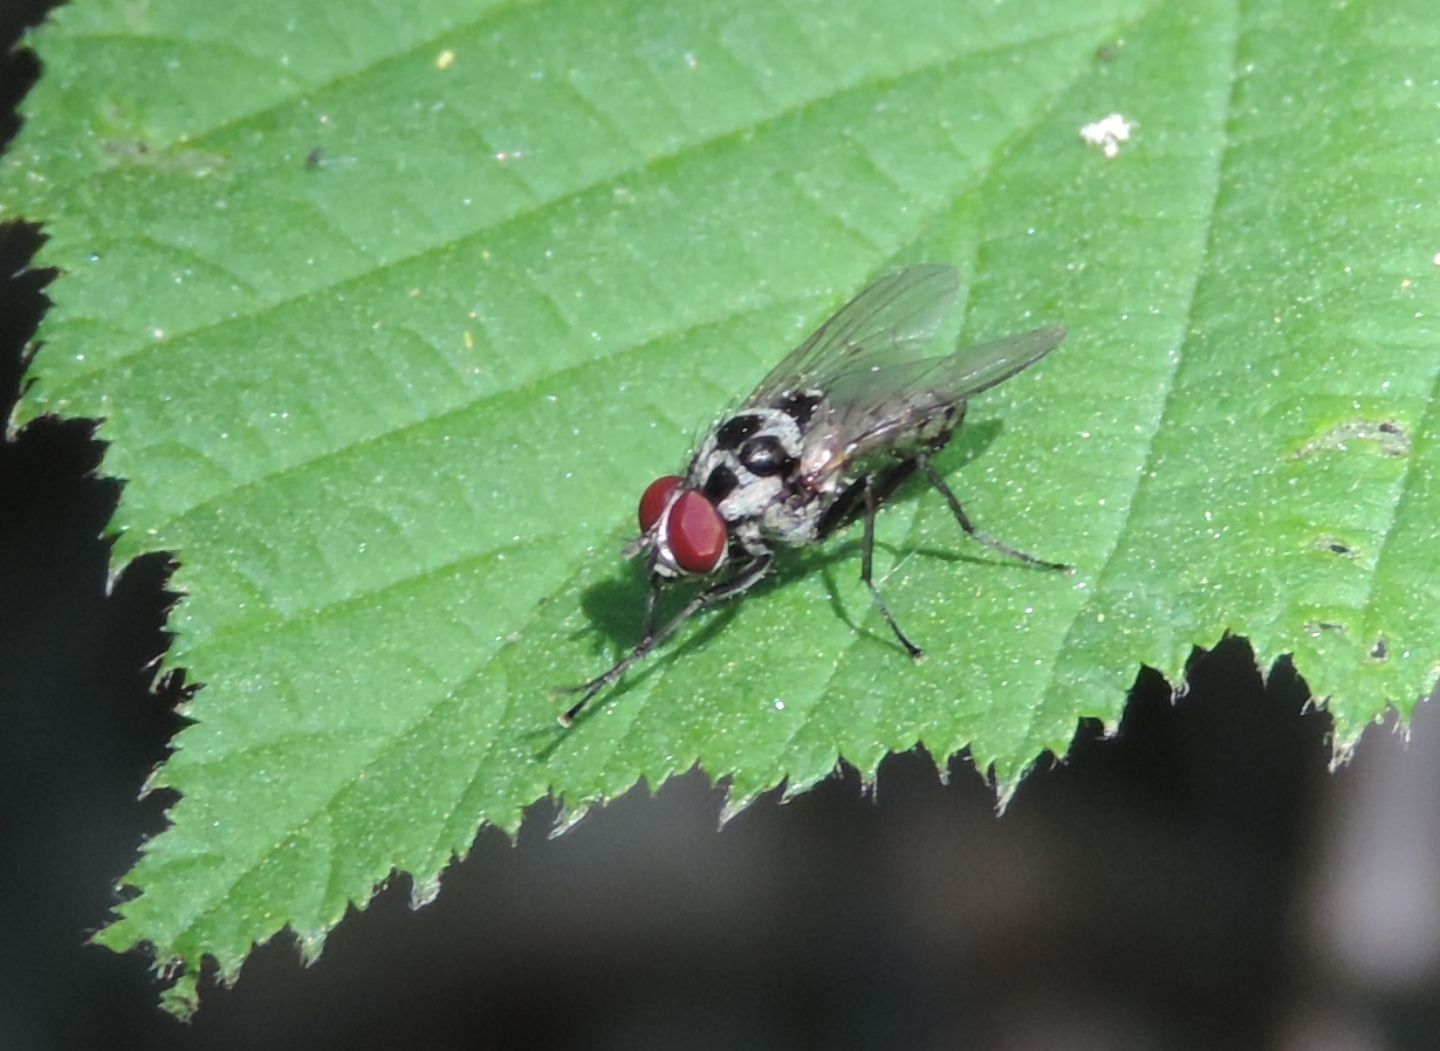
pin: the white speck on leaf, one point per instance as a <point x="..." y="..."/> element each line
<point x="1108" y="133"/>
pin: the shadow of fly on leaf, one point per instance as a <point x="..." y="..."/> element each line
<point x="826" y="439"/>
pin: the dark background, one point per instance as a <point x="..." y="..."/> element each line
<point x="1200" y="881"/>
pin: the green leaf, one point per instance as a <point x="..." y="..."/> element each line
<point x="390" y="322"/>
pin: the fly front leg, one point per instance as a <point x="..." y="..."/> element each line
<point x="744" y="578"/>
<point x="960" y="516"/>
<point x="867" y="559"/>
<point x="652" y="602"/>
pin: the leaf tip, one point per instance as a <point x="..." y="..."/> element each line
<point x="735" y="805"/>
<point x="568" y="818"/>
<point x="423" y="891"/>
<point x="182" y="999"/>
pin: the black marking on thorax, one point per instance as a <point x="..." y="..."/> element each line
<point x="720" y="484"/>
<point x="765" y="455"/>
<point x="799" y="405"/>
<point x="736" y="429"/>
<point x="746" y="468"/>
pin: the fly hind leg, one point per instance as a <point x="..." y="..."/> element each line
<point x="938" y="481"/>
<point x="867" y="558"/>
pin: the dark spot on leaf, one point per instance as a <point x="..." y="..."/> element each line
<point x="1381" y="649"/>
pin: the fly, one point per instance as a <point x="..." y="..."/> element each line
<point x="826" y="438"/>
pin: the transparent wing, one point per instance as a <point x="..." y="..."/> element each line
<point x="874" y="408"/>
<point x="888" y="321"/>
<point x="943" y="380"/>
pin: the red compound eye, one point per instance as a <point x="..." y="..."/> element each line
<point x="696" y="533"/>
<point x="657" y="495"/>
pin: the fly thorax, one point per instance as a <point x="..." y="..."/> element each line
<point x="750" y="499"/>
<point x="745" y="463"/>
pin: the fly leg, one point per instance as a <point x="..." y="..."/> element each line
<point x="960" y="516"/>
<point x="850" y="504"/>
<point x="867" y="558"/>
<point x="743" y="579"/>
